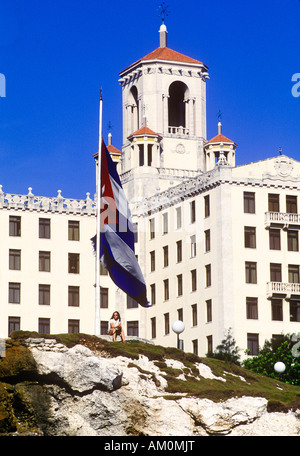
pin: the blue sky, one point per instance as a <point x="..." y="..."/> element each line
<point x="56" y="54"/>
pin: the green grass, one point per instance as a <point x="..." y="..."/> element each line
<point x="256" y="385"/>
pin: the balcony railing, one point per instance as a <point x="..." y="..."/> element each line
<point x="281" y="288"/>
<point x="178" y="131"/>
<point x="283" y="219"/>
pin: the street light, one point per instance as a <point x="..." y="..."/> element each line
<point x="178" y="327"/>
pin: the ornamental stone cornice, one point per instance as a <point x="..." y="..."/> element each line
<point x="203" y="182"/>
<point x="58" y="204"/>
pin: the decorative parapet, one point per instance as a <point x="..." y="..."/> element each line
<point x="47" y="204"/>
<point x="166" y="173"/>
<point x="176" y="193"/>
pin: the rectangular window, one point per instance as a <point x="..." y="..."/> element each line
<point x="131" y="303"/>
<point x="292" y="241"/>
<point x="153" y="294"/>
<point x="291" y="204"/>
<point x="179" y="251"/>
<point x="14" y="324"/>
<point x="73" y="230"/>
<point x="252" y="343"/>
<point x="249" y="202"/>
<point x="194" y="280"/>
<point x="73" y="263"/>
<point x="136" y="232"/>
<point x="294" y="310"/>
<point x="193" y="212"/>
<point x="193" y="246"/>
<point x="14" y="225"/>
<point x="73" y="296"/>
<point x="133" y="328"/>
<point x="44" y="295"/>
<point x="153" y="327"/>
<point x="178" y="218"/>
<point x="166" y="289"/>
<point x="165" y="223"/>
<point x="103" y="298"/>
<point x="207" y="240"/>
<point x="275" y="272"/>
<point x="15" y="259"/>
<point x="73" y="326"/>
<point x="276" y="306"/>
<point x="166" y="256"/>
<point x="274" y="239"/>
<point x="44" y="261"/>
<point x="152" y="228"/>
<point x="273" y="202"/>
<point x="103" y="270"/>
<point x="209" y="344"/>
<point x="251" y="308"/>
<point x="194" y="315"/>
<point x="293" y="271"/>
<point x="167" y="323"/>
<point x="251" y="272"/>
<point x="14" y="293"/>
<point x="208" y="275"/>
<point x="44" y="325"/>
<point x="179" y="285"/>
<point x="103" y="327"/>
<point x="152" y="261"/>
<point x="180" y="314"/>
<point x="44" y="228"/>
<point x="206" y="206"/>
<point x="250" y="237"/>
<point x="208" y="310"/>
<point x="195" y="346"/>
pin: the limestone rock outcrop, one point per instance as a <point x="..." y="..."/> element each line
<point x="80" y="393"/>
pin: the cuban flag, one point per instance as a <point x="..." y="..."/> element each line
<point x="116" y="234"/>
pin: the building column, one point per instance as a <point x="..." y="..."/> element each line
<point x="165" y="122"/>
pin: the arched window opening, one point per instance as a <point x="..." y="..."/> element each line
<point x="177" y="109"/>
<point x="133" y="103"/>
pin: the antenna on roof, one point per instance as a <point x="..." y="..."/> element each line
<point x="163" y="11"/>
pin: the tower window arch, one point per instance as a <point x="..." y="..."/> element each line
<point x="178" y="93"/>
<point x="133" y="106"/>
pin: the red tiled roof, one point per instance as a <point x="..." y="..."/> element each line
<point x="143" y="131"/>
<point x="113" y="150"/>
<point x="220" y="139"/>
<point x="165" y="53"/>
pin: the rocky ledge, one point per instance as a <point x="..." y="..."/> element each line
<point x="49" y="389"/>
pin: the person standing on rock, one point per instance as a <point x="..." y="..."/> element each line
<point x="116" y="327"/>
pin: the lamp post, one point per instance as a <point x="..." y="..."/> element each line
<point x="178" y="327"/>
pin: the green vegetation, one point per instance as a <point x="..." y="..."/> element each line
<point x="227" y="350"/>
<point x="274" y="350"/>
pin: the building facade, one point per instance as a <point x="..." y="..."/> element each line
<point x="218" y="243"/>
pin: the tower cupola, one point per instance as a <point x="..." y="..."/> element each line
<point x="219" y="150"/>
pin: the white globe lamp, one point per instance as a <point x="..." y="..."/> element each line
<point x="178" y="327"/>
<point x="279" y="367"/>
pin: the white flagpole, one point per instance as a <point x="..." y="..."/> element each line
<point x="97" y="304"/>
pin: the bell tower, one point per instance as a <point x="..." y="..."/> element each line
<point x="164" y="93"/>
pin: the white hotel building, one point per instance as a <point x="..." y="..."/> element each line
<point x="218" y="243"/>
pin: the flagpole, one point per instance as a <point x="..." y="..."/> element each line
<point x="98" y="293"/>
